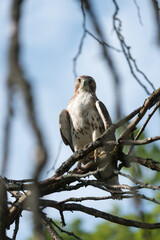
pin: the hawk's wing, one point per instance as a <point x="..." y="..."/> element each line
<point x="65" y="128"/>
<point x="104" y="114"/>
<point x="108" y="165"/>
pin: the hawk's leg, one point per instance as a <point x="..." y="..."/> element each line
<point x="79" y="165"/>
<point x="97" y="155"/>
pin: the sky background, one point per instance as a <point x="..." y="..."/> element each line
<point x="50" y="36"/>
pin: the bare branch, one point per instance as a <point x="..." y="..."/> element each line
<point x="64" y="231"/>
<point x="107" y="57"/>
<point x="62" y="218"/>
<point x="101" y="42"/>
<point x="126" y="51"/>
<point x="138" y="11"/>
<point x="137" y="142"/>
<point x="16" y="228"/>
<point x="49" y="227"/>
<point x="142" y="196"/>
<point x="85" y="32"/>
<point x="100" y="214"/>
<point x="149" y="102"/>
<point x="140" y="184"/>
<point x="157" y="17"/>
<point x="3" y="210"/>
<point x="144" y="125"/>
<point x="81" y="41"/>
<point x="149" y="163"/>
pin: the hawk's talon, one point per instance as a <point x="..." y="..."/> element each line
<point x="101" y="153"/>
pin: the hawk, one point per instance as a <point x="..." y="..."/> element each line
<point x="85" y="119"/>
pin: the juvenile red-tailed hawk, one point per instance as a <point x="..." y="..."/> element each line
<point x="84" y="120"/>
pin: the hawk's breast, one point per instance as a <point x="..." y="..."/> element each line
<point x="85" y="120"/>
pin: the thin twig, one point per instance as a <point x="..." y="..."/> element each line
<point x="156" y="9"/>
<point x="101" y="42"/>
<point x="85" y="32"/>
<point x="49" y="227"/>
<point x="140" y="184"/>
<point x="81" y="40"/>
<point x="62" y="218"/>
<point x="64" y="231"/>
<point x="107" y="56"/>
<point x="16" y="228"/>
<point x="138" y="12"/>
<point x="127" y="52"/>
<point x="144" y="126"/>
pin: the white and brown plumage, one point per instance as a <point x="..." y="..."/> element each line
<point x="84" y="120"/>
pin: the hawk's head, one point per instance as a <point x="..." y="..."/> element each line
<point x="85" y="83"/>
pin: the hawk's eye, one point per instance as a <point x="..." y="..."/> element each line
<point x="79" y="80"/>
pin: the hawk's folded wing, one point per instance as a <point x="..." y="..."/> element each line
<point x="65" y="128"/>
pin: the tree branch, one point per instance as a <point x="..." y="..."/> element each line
<point x="126" y="50"/>
<point x="100" y="214"/>
<point x="49" y="227"/>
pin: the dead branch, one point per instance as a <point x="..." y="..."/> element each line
<point x="138" y="12"/>
<point x="85" y="33"/>
<point x="64" y="231"/>
<point x="144" y="125"/>
<point x="157" y="17"/>
<point x="148" y="162"/>
<point x="149" y="102"/>
<point x="140" y="184"/>
<point x="3" y="210"/>
<point x="49" y="227"/>
<point x="107" y="56"/>
<point x="16" y="228"/>
<point x="127" y="52"/>
<point x="100" y="214"/>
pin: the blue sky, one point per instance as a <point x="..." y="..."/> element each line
<point x="50" y="36"/>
